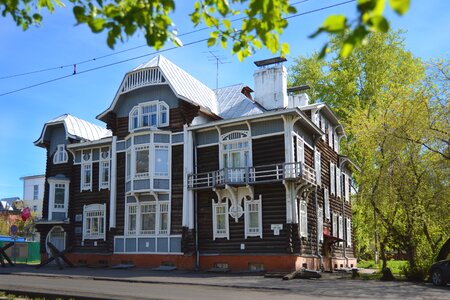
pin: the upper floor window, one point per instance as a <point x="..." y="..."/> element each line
<point x="235" y="148"/>
<point x="60" y="155"/>
<point x="149" y="114"/>
<point x="58" y="199"/>
<point x="317" y="167"/>
<point x="104" y="169"/>
<point x="86" y="170"/>
<point x="35" y="192"/>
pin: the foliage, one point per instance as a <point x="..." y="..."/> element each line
<point x="396" y="266"/>
<point x="395" y="112"/>
<point x="261" y="21"/>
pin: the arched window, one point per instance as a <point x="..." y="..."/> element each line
<point x="236" y="154"/>
<point x="60" y="156"/>
<point x="149" y="114"/>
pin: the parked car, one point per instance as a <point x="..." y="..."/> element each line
<point x="440" y="272"/>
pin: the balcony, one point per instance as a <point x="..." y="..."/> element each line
<point x="252" y="175"/>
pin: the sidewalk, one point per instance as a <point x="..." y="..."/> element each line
<point x="143" y="275"/>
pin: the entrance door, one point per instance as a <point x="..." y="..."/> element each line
<point x="57" y="237"/>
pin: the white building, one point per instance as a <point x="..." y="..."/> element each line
<point x="33" y="193"/>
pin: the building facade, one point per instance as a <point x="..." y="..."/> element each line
<point x="33" y="193"/>
<point x="237" y="178"/>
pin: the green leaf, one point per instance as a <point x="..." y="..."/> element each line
<point x="284" y="49"/>
<point x="211" y="41"/>
<point x="96" y="25"/>
<point x="226" y="23"/>
<point x="400" y="6"/>
<point x="223" y="42"/>
<point x="324" y="51"/>
<point x="347" y="48"/>
<point x="177" y="41"/>
<point x="335" y="23"/>
<point x="380" y="23"/>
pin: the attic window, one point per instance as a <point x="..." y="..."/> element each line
<point x="60" y="155"/>
<point x="149" y="114"/>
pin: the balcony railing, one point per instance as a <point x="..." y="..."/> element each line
<point x="252" y="175"/>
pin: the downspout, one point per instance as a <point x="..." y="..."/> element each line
<point x="317" y="221"/>
<point x="197" y="252"/>
<point x="343" y="212"/>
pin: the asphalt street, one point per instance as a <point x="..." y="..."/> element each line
<point x="147" y="284"/>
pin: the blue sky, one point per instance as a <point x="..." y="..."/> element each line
<point x="58" y="42"/>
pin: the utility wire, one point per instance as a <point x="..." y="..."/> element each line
<point x="153" y="53"/>
<point x="115" y="53"/>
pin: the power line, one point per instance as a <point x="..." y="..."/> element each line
<point x="156" y="52"/>
<point x="115" y="53"/>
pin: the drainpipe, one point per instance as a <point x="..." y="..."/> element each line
<point x="343" y="217"/>
<point x="194" y="158"/>
<point x="317" y="232"/>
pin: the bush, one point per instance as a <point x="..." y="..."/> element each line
<point x="416" y="274"/>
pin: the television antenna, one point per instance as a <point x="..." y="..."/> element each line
<point x="219" y="59"/>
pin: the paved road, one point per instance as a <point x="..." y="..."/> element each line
<point x="145" y="284"/>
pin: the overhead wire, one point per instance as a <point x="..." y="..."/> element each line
<point x="152" y="53"/>
<point x="114" y="53"/>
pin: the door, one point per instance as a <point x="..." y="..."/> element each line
<point x="57" y="237"/>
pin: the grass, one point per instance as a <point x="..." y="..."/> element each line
<point x="394" y="265"/>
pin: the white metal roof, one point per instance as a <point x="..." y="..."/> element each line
<point x="234" y="104"/>
<point x="76" y="128"/>
<point x="184" y="85"/>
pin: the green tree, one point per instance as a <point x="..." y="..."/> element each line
<point x="261" y="21"/>
<point x="395" y="111"/>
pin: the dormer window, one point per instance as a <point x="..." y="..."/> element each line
<point x="149" y="114"/>
<point x="60" y="156"/>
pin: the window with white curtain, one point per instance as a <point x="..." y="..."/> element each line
<point x="94" y="222"/>
<point x="253" y="217"/>
<point x="220" y="218"/>
<point x="149" y="114"/>
<point x="303" y="215"/>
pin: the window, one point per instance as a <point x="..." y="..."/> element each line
<point x="346" y="187"/>
<point x="338" y="182"/>
<point x="149" y="114"/>
<point x="299" y="149"/>
<point x="303" y="219"/>
<point x="320" y="224"/>
<point x="86" y="170"/>
<point x="326" y="203"/>
<point x="333" y="178"/>
<point x="341" y="228"/>
<point x="236" y="154"/>
<point x="330" y="136"/>
<point x="220" y="219"/>
<point x="60" y="155"/>
<point x="35" y="208"/>
<point x="141" y="162"/>
<point x="148" y="217"/>
<point x="58" y="198"/>
<point x="253" y="217"/>
<point x="86" y="176"/>
<point x="104" y="169"/>
<point x="317" y="167"/>
<point x="35" y="192"/>
<point x="128" y="167"/>
<point x="161" y="160"/>
<point x="94" y="222"/>
<point x="349" y="232"/>
<point x="334" y="225"/>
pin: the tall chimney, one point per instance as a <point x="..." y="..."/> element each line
<point x="271" y="83"/>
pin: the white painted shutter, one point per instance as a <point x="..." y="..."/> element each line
<point x="320" y="224"/>
<point x="338" y="182"/>
<point x="300" y="150"/>
<point x="334" y="225"/>
<point x="347" y="187"/>
<point x="330" y="136"/>
<point x="349" y="232"/>
<point x="327" y="203"/>
<point x="341" y="228"/>
<point x="317" y="167"/>
<point x="336" y="143"/>
<point x="332" y="179"/>
<point x="322" y="126"/>
<point x="303" y="219"/>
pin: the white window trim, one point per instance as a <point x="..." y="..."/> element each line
<point x="102" y="162"/>
<point x="86" y="186"/>
<point x="341" y="227"/>
<point x="338" y="183"/>
<point x="330" y="136"/>
<point x="303" y="219"/>
<point x="349" y="232"/>
<point x="61" y="148"/>
<point x="320" y="223"/>
<point x="346" y="187"/>
<point x="230" y="138"/>
<point x="332" y="179"/>
<point x="326" y="203"/>
<point x="94" y="208"/>
<point x="51" y="198"/>
<point x="334" y="224"/>
<point x="159" y="105"/>
<point x="317" y="167"/>
<point x="247" y="204"/>
<point x="336" y="141"/>
<point x="220" y="203"/>
<point x="158" y="231"/>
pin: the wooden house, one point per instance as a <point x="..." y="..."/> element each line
<point x="236" y="178"/>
